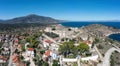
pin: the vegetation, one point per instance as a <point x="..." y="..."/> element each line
<point x="53" y="28"/>
<point x="12" y="27"/>
<point x="55" y="63"/>
<point x="111" y="61"/>
<point x="33" y="40"/>
<point x="83" y="47"/>
<point x="52" y="35"/>
<point x="100" y="46"/>
<point x="42" y="63"/>
<point x="1" y="43"/>
<point x="27" y="63"/>
<point x="69" y="29"/>
<point x="75" y="64"/>
<point x="23" y="48"/>
<point x="67" y="48"/>
<point x="96" y="41"/>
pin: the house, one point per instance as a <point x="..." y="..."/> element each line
<point x="16" y="41"/>
<point x="30" y="52"/>
<point x="84" y="36"/>
<point x="16" y="61"/>
<point x="20" y="64"/>
<point x="48" y="54"/>
<point x="89" y="43"/>
<point x="19" y="47"/>
<point x="3" y="59"/>
<point x="5" y="50"/>
<point x="54" y="56"/>
<point x="47" y="43"/>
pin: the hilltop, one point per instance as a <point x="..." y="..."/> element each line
<point x="32" y="18"/>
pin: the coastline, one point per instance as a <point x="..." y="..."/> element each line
<point x="105" y="33"/>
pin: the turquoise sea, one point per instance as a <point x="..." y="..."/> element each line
<point x="80" y="24"/>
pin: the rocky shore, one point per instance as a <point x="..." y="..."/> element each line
<point x="100" y="30"/>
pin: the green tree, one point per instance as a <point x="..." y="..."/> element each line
<point x="53" y="28"/>
<point x="66" y="48"/>
<point x="96" y="41"/>
<point x="83" y="47"/>
<point x="69" y="29"/>
<point x="45" y="64"/>
<point x="37" y="34"/>
<point x="55" y="63"/>
<point x="23" y="48"/>
<point x="27" y="63"/>
<point x="33" y="41"/>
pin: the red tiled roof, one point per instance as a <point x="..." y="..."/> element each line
<point x="48" y="41"/>
<point x="47" y="53"/>
<point x="15" y="59"/>
<point x="30" y="49"/>
<point x="3" y="58"/>
<point x="16" y="40"/>
<point x="88" y="42"/>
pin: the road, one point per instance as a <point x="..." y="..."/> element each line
<point x="106" y="59"/>
<point x="11" y="49"/>
<point x="96" y="49"/>
<point x="31" y="62"/>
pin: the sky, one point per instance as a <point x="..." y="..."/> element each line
<point x="76" y="10"/>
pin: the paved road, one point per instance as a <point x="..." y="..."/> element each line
<point x="96" y="49"/>
<point x="106" y="59"/>
<point x="31" y="62"/>
<point x="11" y="49"/>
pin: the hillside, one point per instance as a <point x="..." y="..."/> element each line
<point x="26" y="22"/>
<point x="31" y="19"/>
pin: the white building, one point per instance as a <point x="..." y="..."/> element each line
<point x="30" y="52"/>
<point x="47" y="43"/>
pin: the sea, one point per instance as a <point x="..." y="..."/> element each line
<point x="80" y="24"/>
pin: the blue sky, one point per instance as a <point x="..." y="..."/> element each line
<point x="62" y="9"/>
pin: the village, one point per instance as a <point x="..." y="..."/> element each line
<point x="56" y="45"/>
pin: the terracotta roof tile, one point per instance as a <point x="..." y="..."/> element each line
<point x="30" y="49"/>
<point x="48" y="41"/>
<point x="47" y="53"/>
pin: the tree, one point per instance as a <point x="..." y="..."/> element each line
<point x="1" y="43"/>
<point x="17" y="51"/>
<point x="66" y="48"/>
<point x="37" y="34"/>
<point x="45" y="64"/>
<point x="21" y="57"/>
<point x="55" y="63"/>
<point x="23" y="48"/>
<point x="69" y="29"/>
<point x="83" y="47"/>
<point x="53" y="28"/>
<point x="27" y="63"/>
<point x="96" y="41"/>
<point x="33" y="41"/>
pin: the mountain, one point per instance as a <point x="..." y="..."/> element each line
<point x="1" y="20"/>
<point x="31" y="19"/>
